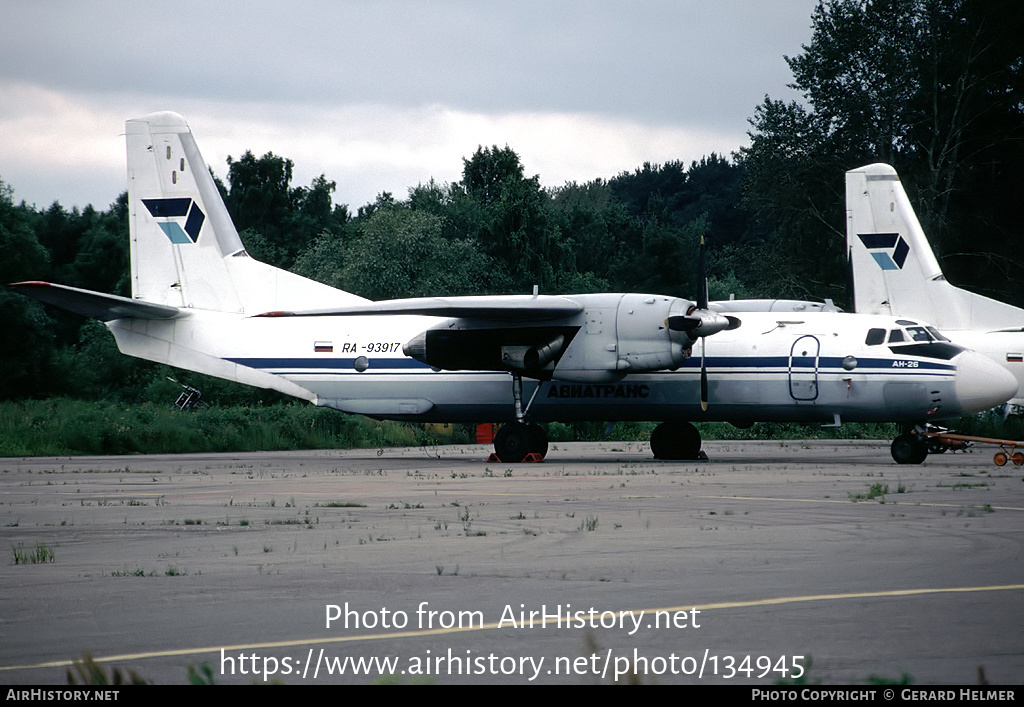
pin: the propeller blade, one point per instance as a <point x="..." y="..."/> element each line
<point x="703" y="379"/>
<point x="710" y="327"/>
<point x="702" y="277"/>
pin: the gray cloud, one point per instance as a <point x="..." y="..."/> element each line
<point x="692" y="66"/>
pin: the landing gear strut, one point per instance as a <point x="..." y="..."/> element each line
<point x="514" y="441"/>
<point x="676" y="440"/>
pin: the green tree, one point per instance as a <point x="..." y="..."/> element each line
<point x="513" y="228"/>
<point x="26" y="347"/>
<point x="275" y="220"/>
<point x="259" y="193"/>
<point x="398" y="252"/>
<point x="931" y="87"/>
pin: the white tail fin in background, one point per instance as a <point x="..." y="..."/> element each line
<point x="894" y="269"/>
<point x="185" y="251"/>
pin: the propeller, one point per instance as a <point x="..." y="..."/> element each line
<point x="702" y="304"/>
<point x="701" y="322"/>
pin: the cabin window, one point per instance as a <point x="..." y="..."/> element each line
<point x="875" y="337"/>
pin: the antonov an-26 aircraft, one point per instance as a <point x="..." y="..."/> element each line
<point x="199" y="302"/>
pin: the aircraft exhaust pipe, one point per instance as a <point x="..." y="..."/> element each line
<point x="538" y="357"/>
<point x="702" y="322"/>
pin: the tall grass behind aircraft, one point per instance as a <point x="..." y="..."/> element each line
<point x="199" y="302"/>
<point x="895" y="273"/>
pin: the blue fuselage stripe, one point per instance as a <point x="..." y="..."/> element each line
<point x="718" y="365"/>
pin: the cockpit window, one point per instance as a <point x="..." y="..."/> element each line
<point x="875" y="337"/>
<point x="919" y="333"/>
<point x="918" y="340"/>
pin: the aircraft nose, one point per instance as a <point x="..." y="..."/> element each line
<point x="981" y="383"/>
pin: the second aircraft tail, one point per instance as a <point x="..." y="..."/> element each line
<point x="894" y="269"/>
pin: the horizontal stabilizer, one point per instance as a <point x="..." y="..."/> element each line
<point x="521" y="308"/>
<point x="94" y="304"/>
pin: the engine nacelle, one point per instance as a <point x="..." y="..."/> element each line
<point x="627" y="334"/>
<point x="473" y="345"/>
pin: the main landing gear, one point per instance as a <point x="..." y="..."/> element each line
<point x="517" y="440"/>
<point x="676" y="441"/>
<point x="520" y="441"/>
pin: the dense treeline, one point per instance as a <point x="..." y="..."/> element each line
<point x="934" y="88"/>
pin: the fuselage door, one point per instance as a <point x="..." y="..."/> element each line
<point x="803" y="368"/>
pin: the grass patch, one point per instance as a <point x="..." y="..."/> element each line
<point x="62" y="426"/>
<point x="87" y="671"/>
<point x="43" y="553"/>
<point x="877" y="490"/>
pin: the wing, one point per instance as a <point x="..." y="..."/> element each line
<point x="511" y="308"/>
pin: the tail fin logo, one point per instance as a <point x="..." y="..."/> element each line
<point x="180" y="219"/>
<point x="888" y="249"/>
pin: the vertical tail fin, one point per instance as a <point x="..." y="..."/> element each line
<point x="185" y="251"/>
<point x="180" y="228"/>
<point x="894" y="270"/>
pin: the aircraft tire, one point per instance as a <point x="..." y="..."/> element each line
<point x="538" y="439"/>
<point x="675" y="441"/>
<point x="515" y="440"/>
<point x="909" y="449"/>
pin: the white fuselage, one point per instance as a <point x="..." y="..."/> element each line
<point x="773" y="367"/>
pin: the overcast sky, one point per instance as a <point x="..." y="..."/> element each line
<point x="381" y="96"/>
